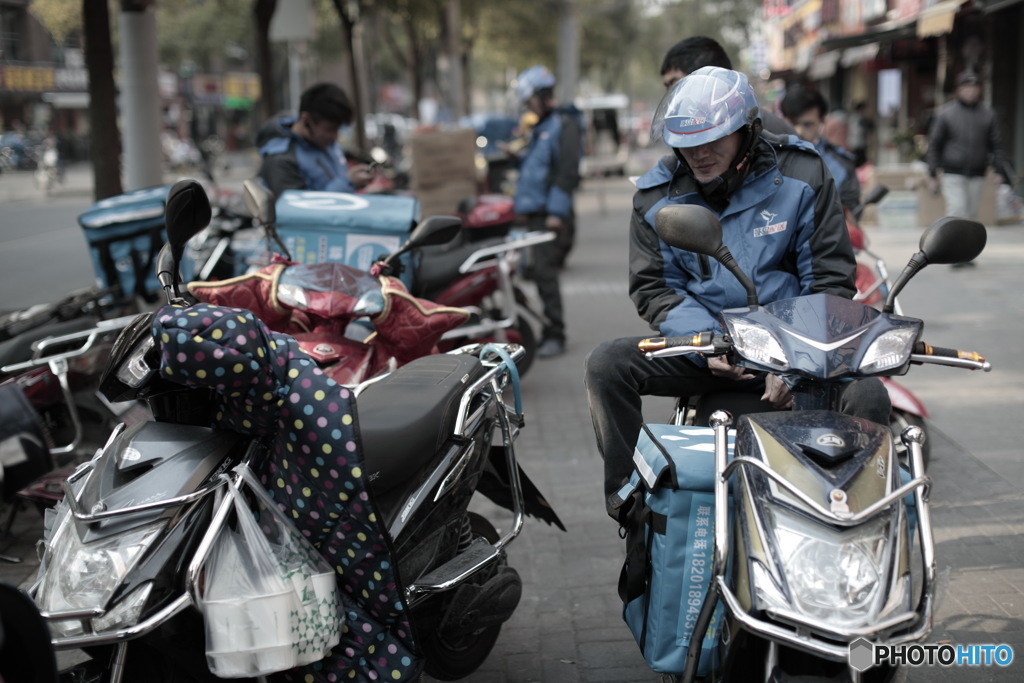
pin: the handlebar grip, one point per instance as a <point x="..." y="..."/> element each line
<point x="659" y="343"/>
<point x="926" y="349"/>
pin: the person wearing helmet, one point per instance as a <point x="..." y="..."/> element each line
<point x="548" y="176"/>
<point x="782" y="221"/>
<point x="690" y="54"/>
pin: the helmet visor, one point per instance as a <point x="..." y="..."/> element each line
<point x="707" y="105"/>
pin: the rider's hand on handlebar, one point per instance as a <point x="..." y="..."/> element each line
<point x="720" y="367"/>
<point x="777" y="393"/>
<point x="553" y="222"/>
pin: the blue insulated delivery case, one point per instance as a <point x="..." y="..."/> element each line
<point x="354" y="229"/>
<point x="125" y="234"/>
<point x="669" y="544"/>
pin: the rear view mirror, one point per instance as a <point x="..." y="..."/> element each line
<point x="689" y="227"/>
<point x="186" y="212"/>
<point x="953" y="240"/>
<point x="694" y="228"/>
<point x="260" y="202"/>
<point x="947" y="240"/>
<point x="435" y="230"/>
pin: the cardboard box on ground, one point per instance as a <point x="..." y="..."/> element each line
<point x="932" y="207"/>
<point x="443" y="169"/>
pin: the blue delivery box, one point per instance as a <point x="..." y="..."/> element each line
<point x="125" y="234"/>
<point x="354" y="229"/>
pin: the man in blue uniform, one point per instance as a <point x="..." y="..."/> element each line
<point x="780" y="218"/>
<point x="302" y="152"/>
<point x="548" y="176"/>
<point x="805" y="108"/>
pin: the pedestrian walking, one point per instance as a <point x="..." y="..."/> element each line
<point x="963" y="141"/>
<point x="548" y="176"/>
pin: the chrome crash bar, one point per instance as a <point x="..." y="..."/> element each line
<point x="480" y="553"/>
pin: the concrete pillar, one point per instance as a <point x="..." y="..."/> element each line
<point x="568" y="52"/>
<point x="140" y="100"/>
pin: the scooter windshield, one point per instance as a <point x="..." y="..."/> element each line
<point x="331" y="290"/>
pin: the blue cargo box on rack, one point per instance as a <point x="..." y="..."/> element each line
<point x="320" y="227"/>
<point x="125" y="234"/>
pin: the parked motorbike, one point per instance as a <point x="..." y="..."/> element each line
<point x="55" y="352"/>
<point x="123" y="564"/>
<point x="481" y="272"/>
<point x="477" y="271"/>
<point x="812" y="550"/>
<point x="324" y="305"/>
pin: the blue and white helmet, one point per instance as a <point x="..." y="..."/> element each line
<point x="532" y="80"/>
<point x="707" y="105"/>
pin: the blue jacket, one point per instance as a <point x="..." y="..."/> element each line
<point x="549" y="168"/>
<point x="290" y="162"/>
<point x="844" y="172"/>
<point x="783" y="225"/>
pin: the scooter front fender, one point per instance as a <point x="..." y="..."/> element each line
<point x="902" y="398"/>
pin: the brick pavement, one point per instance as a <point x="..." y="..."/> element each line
<point x="568" y="628"/>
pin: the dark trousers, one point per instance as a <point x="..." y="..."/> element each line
<point x="617" y="375"/>
<point x="546" y="262"/>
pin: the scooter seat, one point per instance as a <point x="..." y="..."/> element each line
<point x="439" y="265"/>
<point x="404" y="418"/>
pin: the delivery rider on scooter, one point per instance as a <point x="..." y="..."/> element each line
<point x="782" y="220"/>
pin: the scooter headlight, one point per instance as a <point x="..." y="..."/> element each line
<point x="832" y="576"/>
<point x="891" y="350"/>
<point x="84" y="576"/>
<point x="757" y="344"/>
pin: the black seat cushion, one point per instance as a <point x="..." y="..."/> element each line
<point x="404" y="418"/>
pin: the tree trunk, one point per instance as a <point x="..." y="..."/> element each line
<point x="105" y="146"/>
<point x="348" y="25"/>
<point x="415" y="77"/>
<point x="264" y="12"/>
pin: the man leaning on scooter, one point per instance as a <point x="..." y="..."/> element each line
<point x="780" y="217"/>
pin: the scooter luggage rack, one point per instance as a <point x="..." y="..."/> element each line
<point x="479" y="260"/>
<point x="480" y="553"/>
<point x="122" y="635"/>
<point x="58" y="363"/>
<point x="473" y="261"/>
<point x="918" y="623"/>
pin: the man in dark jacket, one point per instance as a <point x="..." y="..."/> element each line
<point x="780" y="218"/>
<point x="302" y="152"/>
<point x="548" y="175"/>
<point x="964" y="141"/>
<point x="805" y="109"/>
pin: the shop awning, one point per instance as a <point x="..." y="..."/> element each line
<point x="889" y="30"/>
<point x="938" y="19"/>
<point x="67" y="100"/>
<point x="861" y="53"/>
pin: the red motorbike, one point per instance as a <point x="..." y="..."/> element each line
<point x="872" y="289"/>
<point x="480" y="271"/>
<point x="356" y="325"/>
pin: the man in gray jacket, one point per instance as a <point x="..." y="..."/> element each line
<point x="964" y="141"/>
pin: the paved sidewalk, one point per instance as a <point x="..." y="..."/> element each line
<point x="568" y="628"/>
